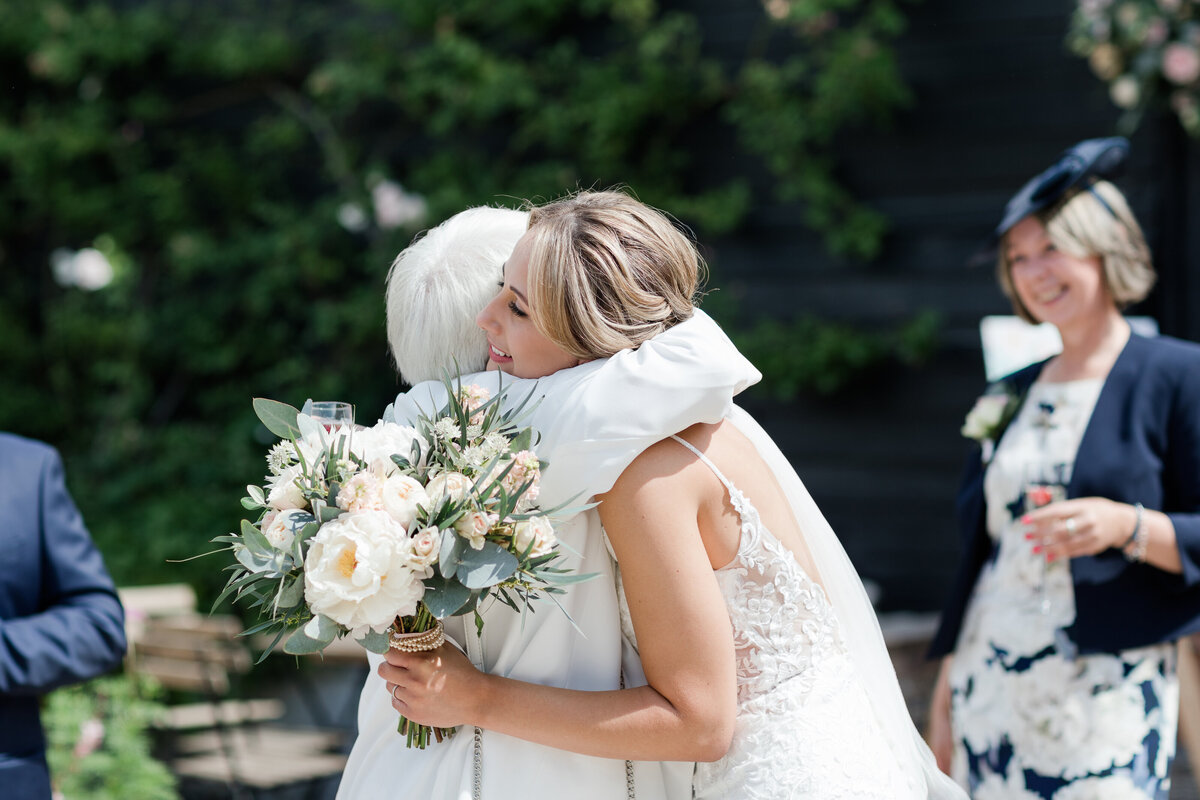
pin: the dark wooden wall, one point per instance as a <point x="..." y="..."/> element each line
<point x="997" y="98"/>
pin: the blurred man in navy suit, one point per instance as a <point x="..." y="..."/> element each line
<point x="60" y="619"/>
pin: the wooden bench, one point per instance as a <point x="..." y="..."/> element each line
<point x="210" y="733"/>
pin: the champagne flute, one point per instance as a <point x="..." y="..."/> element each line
<point x="333" y="414"/>
<point x="1040" y="491"/>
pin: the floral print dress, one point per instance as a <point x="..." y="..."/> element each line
<point x="1034" y="720"/>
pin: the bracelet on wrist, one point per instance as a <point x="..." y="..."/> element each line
<point x="1135" y="546"/>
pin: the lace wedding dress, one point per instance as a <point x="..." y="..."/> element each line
<point x="805" y="726"/>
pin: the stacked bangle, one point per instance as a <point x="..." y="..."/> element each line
<point x="1139" y="539"/>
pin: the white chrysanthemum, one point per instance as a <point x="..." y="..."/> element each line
<point x="1064" y="728"/>
<point x="473" y="526"/>
<point x="474" y="456"/>
<point x="281" y="456"/>
<point x="493" y="445"/>
<point x="1114" y="787"/>
<point x="446" y="428"/>
<point x="453" y="486"/>
<point x="423" y="548"/>
<point x="357" y="572"/>
<point x="285" y="490"/>
<point x="536" y="531"/>
<point x="400" y="496"/>
<point x="281" y="529"/>
<point x="377" y="445"/>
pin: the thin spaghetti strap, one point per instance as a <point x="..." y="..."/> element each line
<point x="728" y="486"/>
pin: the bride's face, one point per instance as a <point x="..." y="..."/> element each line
<point x="515" y="345"/>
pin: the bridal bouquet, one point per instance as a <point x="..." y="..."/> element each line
<point x="376" y="533"/>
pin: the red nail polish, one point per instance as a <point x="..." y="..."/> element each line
<point x="1028" y="536"/>
<point x="1037" y="548"/>
<point x="1049" y="557"/>
<point x="1025" y="519"/>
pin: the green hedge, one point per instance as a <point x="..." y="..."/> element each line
<point x="239" y="165"/>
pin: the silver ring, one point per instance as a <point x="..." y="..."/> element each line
<point x="1070" y="523"/>
<point x="395" y="686"/>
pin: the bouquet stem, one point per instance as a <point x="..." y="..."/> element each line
<point x="414" y="634"/>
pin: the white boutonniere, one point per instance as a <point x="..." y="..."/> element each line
<point x="991" y="414"/>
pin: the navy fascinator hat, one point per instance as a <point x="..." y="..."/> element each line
<point x="1091" y="158"/>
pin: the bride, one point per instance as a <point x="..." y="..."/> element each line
<point x="593" y="419"/>
<point x="762" y="655"/>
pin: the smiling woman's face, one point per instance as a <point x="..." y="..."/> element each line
<point x="515" y="345"/>
<point x="1055" y="286"/>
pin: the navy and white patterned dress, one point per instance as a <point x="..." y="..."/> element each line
<point x="1032" y="719"/>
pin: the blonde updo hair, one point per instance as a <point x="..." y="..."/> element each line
<point x="607" y="272"/>
<point x="1082" y="226"/>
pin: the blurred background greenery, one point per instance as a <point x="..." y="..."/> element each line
<point x="201" y="201"/>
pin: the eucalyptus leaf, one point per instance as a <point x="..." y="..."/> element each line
<point x="279" y="418"/>
<point x="443" y="597"/>
<point x="448" y="554"/>
<point x="291" y="593"/>
<point x="492" y="564"/>
<point x="522" y="441"/>
<point x="312" y="637"/>
<point x="375" y="642"/>
<point x="256" y="494"/>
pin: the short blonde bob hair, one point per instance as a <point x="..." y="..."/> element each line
<point x="607" y="272"/>
<point x="1094" y="221"/>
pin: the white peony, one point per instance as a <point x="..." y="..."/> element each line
<point x="285" y="490"/>
<point x="536" y="531"/>
<point x="473" y="526"/>
<point x="400" y="496"/>
<point x="452" y="486"/>
<point x="423" y="548"/>
<point x="357" y="572"/>
<point x="377" y="445"/>
<point x="281" y="529"/>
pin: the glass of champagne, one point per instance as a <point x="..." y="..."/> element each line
<point x="333" y="414"/>
<point x="1040" y="491"/>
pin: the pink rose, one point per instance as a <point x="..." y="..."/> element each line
<point x="1181" y="63"/>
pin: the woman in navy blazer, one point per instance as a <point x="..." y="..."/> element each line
<point x="60" y="619"/>
<point x="1090" y="708"/>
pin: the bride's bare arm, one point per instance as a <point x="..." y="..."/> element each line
<point x="687" y="711"/>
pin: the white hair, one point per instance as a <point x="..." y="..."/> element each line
<point x="437" y="286"/>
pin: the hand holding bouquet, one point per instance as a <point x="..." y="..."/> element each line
<point x="376" y="533"/>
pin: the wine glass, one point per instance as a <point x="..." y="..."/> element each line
<point x="333" y="414"/>
<point x="1040" y="490"/>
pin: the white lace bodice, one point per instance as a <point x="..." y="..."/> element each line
<point x="805" y="727"/>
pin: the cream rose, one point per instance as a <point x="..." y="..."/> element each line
<point x="377" y="445"/>
<point x="281" y="529"/>
<point x="357" y="572"/>
<point x="423" y="547"/>
<point x="452" y="486"/>
<point x="285" y="490"/>
<point x="473" y="526"/>
<point x="984" y="416"/>
<point x="400" y="496"/>
<point x="536" y="531"/>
